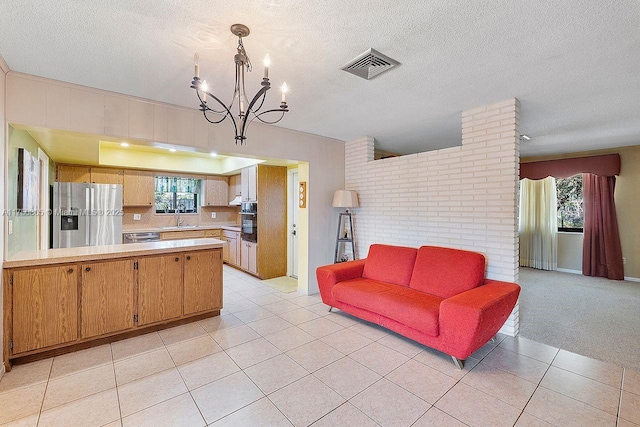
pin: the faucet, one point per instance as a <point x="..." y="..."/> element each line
<point x="180" y="222"/>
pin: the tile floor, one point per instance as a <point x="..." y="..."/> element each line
<point x="277" y="359"/>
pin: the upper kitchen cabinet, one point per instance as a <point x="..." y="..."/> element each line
<point x="201" y="131"/>
<point x="138" y="188"/>
<point x="73" y="173"/>
<point x="106" y="176"/>
<point x="26" y="100"/>
<point x="87" y="111"/>
<point x="180" y="126"/>
<point x="216" y="191"/>
<point x="58" y="106"/>
<point x="249" y="183"/>
<point x="235" y="187"/>
<point x="141" y="122"/>
<point x="160" y="128"/>
<point x="116" y="116"/>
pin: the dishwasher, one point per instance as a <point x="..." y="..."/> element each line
<point x="140" y="237"/>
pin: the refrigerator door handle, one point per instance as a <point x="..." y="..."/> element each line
<point x="87" y="207"/>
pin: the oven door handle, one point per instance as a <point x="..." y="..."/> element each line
<point x="248" y="213"/>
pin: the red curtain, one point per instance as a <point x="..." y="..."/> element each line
<point x="601" y="251"/>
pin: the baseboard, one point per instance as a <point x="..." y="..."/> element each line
<point x="567" y="270"/>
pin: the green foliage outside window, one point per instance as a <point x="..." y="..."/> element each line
<point x="570" y="203"/>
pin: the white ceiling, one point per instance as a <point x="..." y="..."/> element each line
<point x="574" y="64"/>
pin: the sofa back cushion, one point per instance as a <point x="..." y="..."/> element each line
<point x="390" y="264"/>
<point x="446" y="272"/>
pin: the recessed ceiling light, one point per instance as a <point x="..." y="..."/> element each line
<point x="524" y="137"/>
<point x="124" y="144"/>
<point x="213" y="154"/>
<point x="173" y="150"/>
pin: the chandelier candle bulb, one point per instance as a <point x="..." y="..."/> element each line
<point x="267" y="62"/>
<point x="205" y="88"/>
<point x="196" y="59"/>
<point x="284" y="92"/>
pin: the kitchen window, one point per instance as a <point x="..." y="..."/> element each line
<point x="174" y="194"/>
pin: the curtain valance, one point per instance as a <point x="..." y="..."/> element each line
<point x="606" y="165"/>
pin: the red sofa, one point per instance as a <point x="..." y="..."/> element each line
<point x="433" y="295"/>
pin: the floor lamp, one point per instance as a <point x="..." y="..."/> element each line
<point x="345" y="199"/>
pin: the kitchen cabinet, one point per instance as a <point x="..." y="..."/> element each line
<point x="248" y="257"/>
<point x="181" y="234"/>
<point x="63" y="301"/>
<point x="180" y="126"/>
<point x="249" y="183"/>
<point x="58" y="106"/>
<point x="44" y="307"/>
<point x="116" y="116"/>
<point x="202" y="274"/>
<point x="231" y="251"/>
<point x="87" y="110"/>
<point x="107" y="296"/>
<point x="159" y="288"/>
<point x="216" y="234"/>
<point x="138" y="188"/>
<point x="73" y="173"/>
<point x="26" y="98"/>
<point x="235" y="186"/>
<point x="140" y="119"/>
<point x="216" y="191"/>
<point x="106" y="176"/>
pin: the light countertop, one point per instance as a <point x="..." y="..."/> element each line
<point x="231" y="227"/>
<point x="97" y="253"/>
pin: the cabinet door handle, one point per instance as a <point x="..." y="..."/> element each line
<point x="87" y="269"/>
<point x="69" y="271"/>
<point x="177" y="259"/>
<point x="188" y="258"/>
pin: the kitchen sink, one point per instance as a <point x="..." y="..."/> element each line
<point x="182" y="227"/>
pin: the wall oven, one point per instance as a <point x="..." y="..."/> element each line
<point x="249" y="221"/>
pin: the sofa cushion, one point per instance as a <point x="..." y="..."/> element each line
<point x="446" y="272"/>
<point x="390" y="264"/>
<point x="412" y="308"/>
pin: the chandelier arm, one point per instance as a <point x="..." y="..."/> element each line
<point x="275" y="110"/>
<point x="228" y="114"/>
<point x="263" y="90"/>
<point x="206" y="107"/>
<point x="264" y="96"/>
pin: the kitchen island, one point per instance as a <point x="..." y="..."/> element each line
<point x="61" y="300"/>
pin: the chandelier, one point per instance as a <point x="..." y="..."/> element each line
<point x="245" y="110"/>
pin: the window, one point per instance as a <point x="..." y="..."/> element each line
<point x="570" y="206"/>
<point x="174" y="194"/>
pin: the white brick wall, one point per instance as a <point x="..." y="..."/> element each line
<point x="461" y="197"/>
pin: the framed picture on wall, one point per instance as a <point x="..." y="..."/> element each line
<point x="28" y="181"/>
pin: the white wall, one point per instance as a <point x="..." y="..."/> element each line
<point x="570" y="252"/>
<point x="3" y="137"/>
<point x="463" y="197"/>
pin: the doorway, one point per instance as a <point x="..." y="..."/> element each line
<point x="292" y="223"/>
<point x="43" y="201"/>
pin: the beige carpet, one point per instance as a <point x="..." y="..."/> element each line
<point x="284" y="284"/>
<point x="591" y="316"/>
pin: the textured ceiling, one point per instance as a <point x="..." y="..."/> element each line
<point x="574" y="64"/>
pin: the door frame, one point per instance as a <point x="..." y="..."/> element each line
<point x="292" y="203"/>
<point x="43" y="200"/>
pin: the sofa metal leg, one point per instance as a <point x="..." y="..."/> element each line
<point x="330" y="308"/>
<point x="493" y="339"/>
<point x="459" y="363"/>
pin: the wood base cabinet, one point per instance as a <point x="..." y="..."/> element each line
<point x="248" y="257"/>
<point x="202" y="273"/>
<point x="159" y="288"/>
<point x="107" y="297"/>
<point x="48" y="309"/>
<point x="44" y="308"/>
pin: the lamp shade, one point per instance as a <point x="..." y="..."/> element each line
<point x="345" y="199"/>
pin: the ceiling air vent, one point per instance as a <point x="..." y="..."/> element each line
<point x="370" y="64"/>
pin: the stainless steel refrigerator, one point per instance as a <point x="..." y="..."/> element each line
<point x="86" y="214"/>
